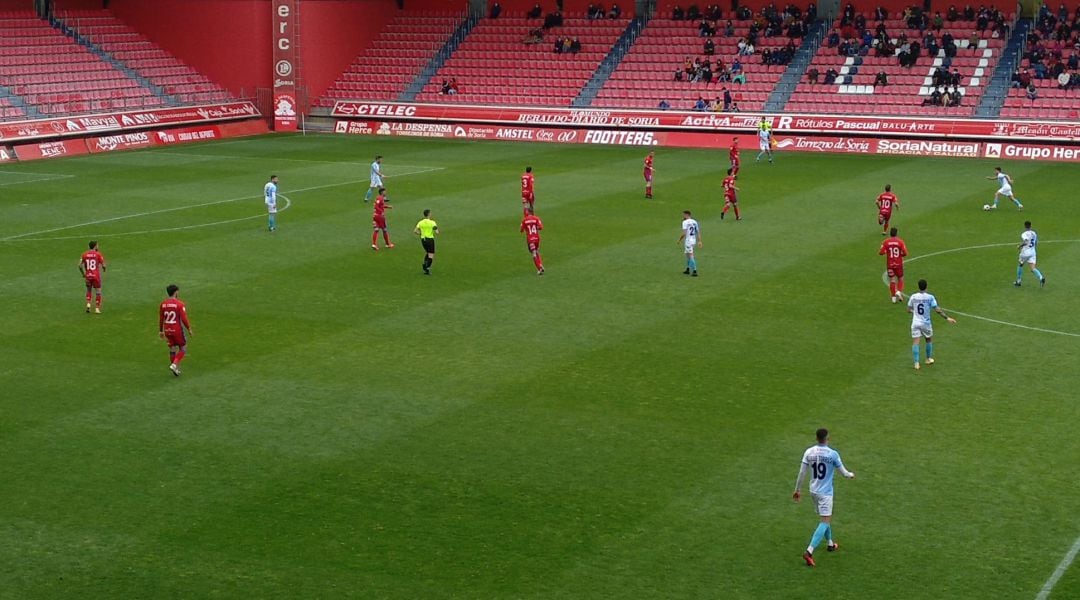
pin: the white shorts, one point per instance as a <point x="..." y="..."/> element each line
<point x="272" y="210"/>
<point x="689" y="246"/>
<point x="376" y="182"/>
<point x="822" y="504"/>
<point x="764" y="145"/>
<point x="921" y="330"/>
<point x="1027" y="257"/>
<point x="1006" y="190"/>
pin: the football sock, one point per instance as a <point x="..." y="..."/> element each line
<point x="367" y="196"/>
<point x="819" y="533"/>
<point x="929" y="350"/>
<point x="538" y="261"/>
<point x="1016" y="201"/>
<point x="759" y="155"/>
<point x="1019" y="272"/>
<point x="172" y="356"/>
<point x="273" y="221"/>
<point x="828" y="534"/>
<point x="1037" y="273"/>
<point x="99" y="296"/>
<point x="900" y="285"/>
<point x="385" y="237"/>
<point x="179" y="356"/>
<point x="88" y="296"/>
<point x="892" y="288"/>
<point x="915" y="352"/>
<point x="737" y="213"/>
<point x="692" y="263"/>
<point x="374" y="237"/>
<point x="427" y="262"/>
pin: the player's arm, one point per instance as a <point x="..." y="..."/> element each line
<point x="161" y="324"/>
<point x="682" y="236"/>
<point x="185" y="322"/>
<point x="941" y="312"/>
<point x="82" y="266"/>
<point x="798" y="481"/>
<point x="416" y="230"/>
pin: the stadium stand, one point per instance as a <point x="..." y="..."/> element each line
<point x="53" y="74"/>
<point x="661" y="65"/>
<point x="1047" y="83"/>
<point x="499" y="63"/>
<point x="848" y="78"/>
<point x="395" y="58"/>
<point x="108" y="33"/>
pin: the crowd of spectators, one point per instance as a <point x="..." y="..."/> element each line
<point x="943" y="96"/>
<point x="1052" y="50"/>
<point x="725" y="102"/>
<point x="567" y="45"/>
<point x="449" y="87"/>
<point x="707" y="71"/>
<point x="596" y="11"/>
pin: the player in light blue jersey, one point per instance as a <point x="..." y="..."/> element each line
<point x="690" y="237"/>
<point x="820" y="462"/>
<point x="1028" y="241"/>
<point x="270" y="197"/>
<point x="376" y="178"/>
<point x="920" y="305"/>
<point x="1004" y="188"/>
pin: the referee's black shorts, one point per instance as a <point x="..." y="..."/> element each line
<point x="429" y="245"/>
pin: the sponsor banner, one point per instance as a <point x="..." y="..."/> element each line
<point x="906" y="127"/>
<point x="80" y="126"/>
<point x="1031" y="152"/>
<point x="7" y="154"/>
<point x="928" y="148"/>
<point x="184" y="135"/>
<point x="286" y="19"/>
<point x="123" y="141"/>
<point x="55" y="149"/>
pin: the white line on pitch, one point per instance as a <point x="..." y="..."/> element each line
<point x="278" y="159"/>
<point x="1017" y="325"/>
<point x="49" y="177"/>
<point x="1063" y="566"/>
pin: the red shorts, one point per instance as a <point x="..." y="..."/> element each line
<point x="883" y="217"/>
<point x="533" y="244"/>
<point x="175" y="337"/>
<point x="730" y="199"/>
<point x="378" y="221"/>
<point x="647" y="175"/>
<point x="93" y="281"/>
<point x="896" y="271"/>
<point x="528" y="197"/>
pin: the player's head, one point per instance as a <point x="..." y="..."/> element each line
<point x="734" y="141"/>
<point x="273" y="179"/>
<point x="172" y="289"/>
<point x="888" y="187"/>
<point x="998" y="169"/>
<point x="528" y="169"/>
<point x="686" y="214"/>
<point x="378" y="158"/>
<point x="922" y="285"/>
<point x="892" y="232"/>
<point x="1027" y="225"/>
<point x="427" y="212"/>
<point x="93" y="244"/>
<point x="651" y="153"/>
<point x="729" y="171"/>
<point x="822" y="435"/>
<point x="382" y="191"/>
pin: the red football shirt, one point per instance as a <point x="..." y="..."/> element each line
<point x="886" y="202"/>
<point x="729" y="186"/>
<point x="531" y="226"/>
<point x="172" y="315"/>
<point x="526" y="184"/>
<point x="380" y="205"/>
<point x="894" y="250"/>
<point x="648" y="165"/>
<point x="733" y="154"/>
<point x="92" y="262"/>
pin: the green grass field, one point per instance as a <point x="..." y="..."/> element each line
<point x="346" y="427"/>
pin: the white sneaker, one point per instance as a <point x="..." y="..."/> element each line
<point x="929" y="361"/>
<point x="916" y="366"/>
<point x="175" y="369"/>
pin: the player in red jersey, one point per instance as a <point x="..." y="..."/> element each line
<point x="92" y="265"/>
<point x="733" y="156"/>
<point x="730" y="199"/>
<point x="378" y="221"/>
<point x="528" y="196"/>
<point x="172" y="321"/>
<point x="531" y="226"/>
<point x="894" y="250"/>
<point x="886" y="202"/>
<point x="648" y="173"/>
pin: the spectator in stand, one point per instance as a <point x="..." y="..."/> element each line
<point x="710" y="48"/>
<point x="735" y="107"/>
<point x="615" y="12"/>
<point x="707" y="28"/>
<point x="811" y="14"/>
<point x="1074" y="61"/>
<point x="575" y="46"/>
<point x="729" y="29"/>
<point x="535" y="12"/>
<point x="693" y="13"/>
<point x="955" y="98"/>
<point x="663" y="105"/>
<point x="954" y="78"/>
<point x="938" y="21"/>
<point x="566" y="45"/>
<point x="953" y="14"/>
<point x="830" y="76"/>
<point x="969" y="13"/>
<point x="880" y="14"/>
<point x="1032" y="92"/>
<point x="936" y="97"/>
<point x="834" y="39"/>
<point x="1063" y="12"/>
<point x="496" y="10"/>
<point x="553" y="19"/>
<point x="727" y="99"/>
<point x="535" y="36"/>
<point x="445" y="88"/>
<point x="700" y="105"/>
<point x="973" y="39"/>
<point x="812" y="76"/>
<point x="1040" y="70"/>
<point x="766" y="57"/>
<point x="558" y="46"/>
<point x="453" y="88"/>
<point x="677" y="13"/>
<point x="736" y="67"/>
<point x="680" y="74"/>
<point x="714" y="12"/>
<point x="882" y="79"/>
<point x="746" y="48"/>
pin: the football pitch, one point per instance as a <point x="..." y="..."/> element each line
<point x="347" y="427"/>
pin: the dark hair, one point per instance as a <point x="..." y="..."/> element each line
<point x="892" y="232"/>
<point x="1027" y="225"/>
<point x="382" y="190"/>
<point x="528" y="169"/>
<point x="997" y="168"/>
<point x="888" y="187"/>
<point x="273" y="177"/>
<point x="822" y="435"/>
<point x="686" y="212"/>
<point x="93" y="243"/>
<point x="172" y="289"/>
<point x="378" y="156"/>
<point x="427" y="211"/>
<point x="922" y="285"/>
